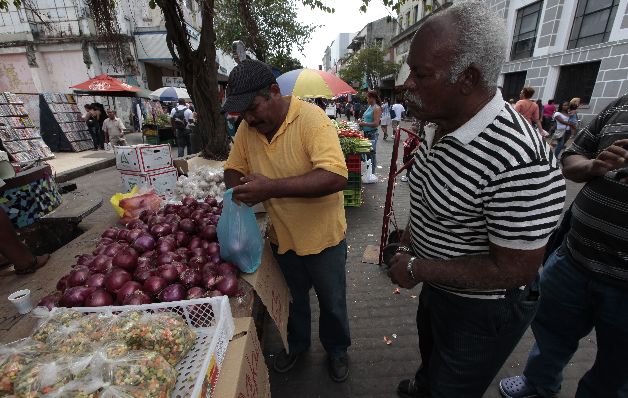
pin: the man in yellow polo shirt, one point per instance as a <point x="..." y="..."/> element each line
<point x="287" y="156"/>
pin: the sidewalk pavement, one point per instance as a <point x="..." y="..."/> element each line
<point x="375" y="311"/>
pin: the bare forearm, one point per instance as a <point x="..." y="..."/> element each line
<point x="577" y="168"/>
<point x="475" y="272"/>
<point x="233" y="178"/>
<point x="314" y="184"/>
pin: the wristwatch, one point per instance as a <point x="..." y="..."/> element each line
<point x="410" y="270"/>
<point x="404" y="249"/>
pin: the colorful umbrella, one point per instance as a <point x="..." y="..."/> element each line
<point x="310" y="83"/>
<point x="107" y="86"/>
<point x="170" y="94"/>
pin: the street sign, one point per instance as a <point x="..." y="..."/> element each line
<point x="172" y="81"/>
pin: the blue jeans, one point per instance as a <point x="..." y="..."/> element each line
<point x="561" y="142"/>
<point x="183" y="141"/>
<point x="326" y="272"/>
<point x="373" y="136"/>
<point x="571" y="305"/>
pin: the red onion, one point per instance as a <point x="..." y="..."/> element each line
<point x="105" y="241"/>
<point x="115" y="279"/>
<point x="197" y="215"/>
<point x="156" y="219"/>
<point x="126" y="259"/>
<point x="179" y="266"/>
<point x="174" y="292"/>
<point x="135" y="224"/>
<point x="161" y="230"/>
<point x="198" y="261"/>
<point x="101" y="264"/>
<point x="190" y="277"/>
<point x="182" y="238"/>
<point x="209" y="268"/>
<point x="62" y="284"/>
<point x="100" y="250"/>
<point x="211" y="201"/>
<point x="208" y="232"/>
<point x="213" y="249"/>
<point x="209" y="280"/>
<point x="168" y="272"/>
<point x="144" y="243"/>
<point x="154" y="285"/>
<point x="99" y="298"/>
<point x="144" y="262"/>
<point x="167" y="246"/>
<point x="137" y="298"/>
<point x="171" y="208"/>
<point x="189" y="201"/>
<point x="172" y="219"/>
<point x="187" y="225"/>
<point x="110" y="233"/>
<point x="195" y="242"/>
<point x="75" y="296"/>
<point x="198" y="251"/>
<point x="213" y="293"/>
<point x="228" y="284"/>
<point x="184" y="212"/>
<point x="50" y="301"/>
<point x="112" y="249"/>
<point x="134" y="234"/>
<point x="214" y="219"/>
<point x="167" y="258"/>
<point x="129" y="287"/>
<point x="95" y="280"/>
<point x="145" y="215"/>
<point x="195" y="293"/>
<point x="184" y="253"/>
<point x="84" y="259"/>
<point x="123" y="234"/>
<point x="215" y="259"/>
<point x="227" y="269"/>
<point x="141" y="274"/>
<point x="78" y="278"/>
<point x="204" y="206"/>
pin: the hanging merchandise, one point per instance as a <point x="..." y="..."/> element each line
<point x="63" y="127"/>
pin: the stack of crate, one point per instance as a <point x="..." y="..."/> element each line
<point x="353" y="190"/>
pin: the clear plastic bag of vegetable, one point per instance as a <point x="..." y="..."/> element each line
<point x="48" y="374"/>
<point x="50" y="321"/>
<point x="238" y="233"/>
<point x="14" y="358"/>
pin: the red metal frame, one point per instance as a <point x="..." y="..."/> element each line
<point x="390" y="189"/>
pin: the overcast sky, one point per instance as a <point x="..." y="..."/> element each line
<point x="347" y="18"/>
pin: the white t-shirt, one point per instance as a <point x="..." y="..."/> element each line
<point x="187" y="114"/>
<point x="398" y="108"/>
<point x="559" y="117"/>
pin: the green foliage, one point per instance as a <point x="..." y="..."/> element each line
<point x="276" y="21"/>
<point x="284" y="62"/>
<point x="368" y="62"/>
<point x="4" y="4"/>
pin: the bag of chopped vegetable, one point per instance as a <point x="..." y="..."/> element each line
<point x="86" y="387"/>
<point x="16" y="356"/>
<point x="238" y="233"/>
<point x="49" y="321"/>
<point x="48" y="374"/>
<point x="166" y="333"/>
<point x="138" y="374"/>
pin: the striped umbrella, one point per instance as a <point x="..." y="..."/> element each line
<point x="310" y="83"/>
<point x="170" y="94"/>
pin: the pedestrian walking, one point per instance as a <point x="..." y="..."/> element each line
<point x="113" y="127"/>
<point x="573" y="125"/>
<point x="584" y="283"/>
<point x="370" y="125"/>
<point x="529" y="109"/>
<point x="349" y="110"/>
<point x="548" y="115"/>
<point x="563" y="125"/>
<point x="180" y="119"/>
<point x="93" y="128"/>
<point x="287" y="156"/>
<point x="396" y="113"/>
<point x="100" y="115"/>
<point x="485" y="195"/>
<point x="385" y="117"/>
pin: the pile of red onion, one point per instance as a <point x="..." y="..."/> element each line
<point x="170" y="255"/>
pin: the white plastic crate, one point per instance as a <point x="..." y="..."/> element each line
<point x="211" y="319"/>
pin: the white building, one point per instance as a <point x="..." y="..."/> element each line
<point x="566" y="49"/>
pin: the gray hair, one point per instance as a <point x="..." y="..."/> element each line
<point x="481" y="40"/>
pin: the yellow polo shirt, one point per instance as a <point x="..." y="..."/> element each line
<point x="305" y="141"/>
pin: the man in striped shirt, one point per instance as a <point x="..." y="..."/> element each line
<point x="486" y="193"/>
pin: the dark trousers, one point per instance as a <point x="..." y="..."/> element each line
<point x="324" y="271"/>
<point x="183" y="141"/>
<point x="465" y="341"/>
<point x="97" y="137"/>
<point x="571" y="305"/>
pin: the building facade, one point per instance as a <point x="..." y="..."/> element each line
<point x="566" y="49"/>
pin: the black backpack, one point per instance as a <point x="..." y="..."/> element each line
<point x="179" y="118"/>
<point x="392" y="113"/>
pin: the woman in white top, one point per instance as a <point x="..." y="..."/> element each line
<point x="562" y="123"/>
<point x="385" y="119"/>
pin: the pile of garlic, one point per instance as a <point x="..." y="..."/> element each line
<point x="202" y="182"/>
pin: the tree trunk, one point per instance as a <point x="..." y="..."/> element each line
<point x="199" y="73"/>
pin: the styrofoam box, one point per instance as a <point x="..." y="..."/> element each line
<point x="155" y="157"/>
<point x="143" y="158"/>
<point x="163" y="181"/>
<point x="212" y="321"/>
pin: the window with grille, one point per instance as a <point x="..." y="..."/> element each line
<point x="526" y="28"/>
<point x="577" y="81"/>
<point x="513" y="83"/>
<point x="593" y="22"/>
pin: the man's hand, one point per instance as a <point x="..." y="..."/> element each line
<point x="255" y="188"/>
<point x="398" y="271"/>
<point x="612" y="158"/>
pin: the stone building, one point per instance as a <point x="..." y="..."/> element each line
<point x="336" y="51"/>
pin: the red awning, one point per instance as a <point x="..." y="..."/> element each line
<point x="106" y="85"/>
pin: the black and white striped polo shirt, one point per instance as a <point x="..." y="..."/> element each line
<point x="494" y="180"/>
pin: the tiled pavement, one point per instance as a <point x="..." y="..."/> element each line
<point x="375" y="312"/>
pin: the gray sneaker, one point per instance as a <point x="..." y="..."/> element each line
<point x="517" y="387"/>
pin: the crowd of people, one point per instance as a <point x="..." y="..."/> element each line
<point x="487" y="190"/>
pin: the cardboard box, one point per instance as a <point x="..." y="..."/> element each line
<point x="143" y="158"/>
<point x="164" y="181"/>
<point x="244" y="373"/>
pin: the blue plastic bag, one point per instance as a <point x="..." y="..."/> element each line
<point x="238" y="234"/>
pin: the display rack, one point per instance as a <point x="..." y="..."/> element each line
<point x="19" y="137"/>
<point x="63" y="128"/>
